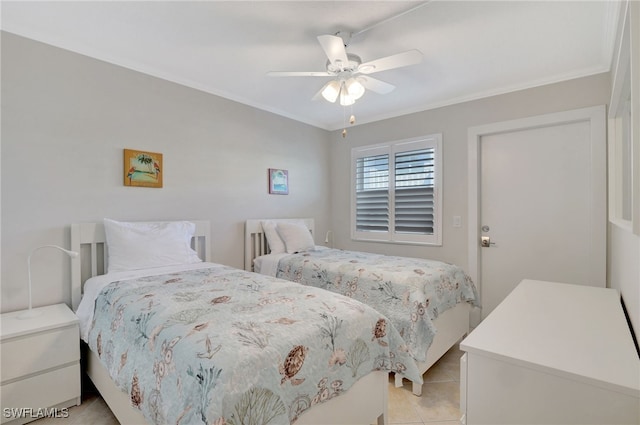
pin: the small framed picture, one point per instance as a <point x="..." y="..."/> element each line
<point x="142" y="168"/>
<point x="278" y="181"/>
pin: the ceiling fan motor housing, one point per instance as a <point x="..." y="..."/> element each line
<point x="351" y="66"/>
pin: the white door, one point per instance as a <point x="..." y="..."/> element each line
<point x="541" y="201"/>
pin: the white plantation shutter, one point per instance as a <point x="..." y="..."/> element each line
<point x="414" y="203"/>
<point x="396" y="195"/>
<point x="372" y="193"/>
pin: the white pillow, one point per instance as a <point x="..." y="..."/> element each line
<point x="296" y="237"/>
<point x="276" y="244"/>
<point x="142" y="245"/>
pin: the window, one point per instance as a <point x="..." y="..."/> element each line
<point x="624" y="135"/>
<point x="396" y="191"/>
<point x="626" y="153"/>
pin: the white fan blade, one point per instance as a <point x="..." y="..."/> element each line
<point x="333" y="47"/>
<point x="299" y="74"/>
<point x="407" y="58"/>
<point x="376" y="85"/>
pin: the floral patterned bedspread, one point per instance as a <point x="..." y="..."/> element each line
<point x="224" y="346"/>
<point x="411" y="292"/>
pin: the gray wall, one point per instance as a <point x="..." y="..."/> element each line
<point x="65" y="121"/>
<point x="453" y="122"/>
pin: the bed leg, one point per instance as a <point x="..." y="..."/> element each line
<point x="383" y="419"/>
<point x="417" y="389"/>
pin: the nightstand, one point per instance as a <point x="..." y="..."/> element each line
<point x="39" y="364"/>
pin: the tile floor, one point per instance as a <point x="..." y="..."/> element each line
<point x="438" y="405"/>
<point x="440" y="400"/>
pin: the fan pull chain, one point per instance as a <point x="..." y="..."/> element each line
<point x="352" y="120"/>
<point x="344" y="124"/>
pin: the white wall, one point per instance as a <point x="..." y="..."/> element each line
<point x="624" y="246"/>
<point x="624" y="270"/>
<point x="65" y="121"/>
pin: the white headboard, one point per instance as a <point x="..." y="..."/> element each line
<point x="89" y="240"/>
<point x="255" y="241"/>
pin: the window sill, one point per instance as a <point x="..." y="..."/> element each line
<point x="435" y="244"/>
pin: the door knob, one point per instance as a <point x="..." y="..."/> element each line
<point x="485" y="242"/>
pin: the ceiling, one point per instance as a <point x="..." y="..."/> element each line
<point x="472" y="49"/>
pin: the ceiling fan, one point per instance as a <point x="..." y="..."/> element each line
<point x="351" y="75"/>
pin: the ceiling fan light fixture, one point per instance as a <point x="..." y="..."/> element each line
<point x="349" y="84"/>
<point x="354" y="88"/>
<point x="331" y="91"/>
<point x="346" y="99"/>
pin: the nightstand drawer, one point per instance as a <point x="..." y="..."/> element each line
<point x="42" y="391"/>
<point x="33" y="353"/>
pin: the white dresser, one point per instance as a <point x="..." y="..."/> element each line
<point x="552" y="353"/>
<point x="39" y="364"/>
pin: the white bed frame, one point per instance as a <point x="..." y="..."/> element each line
<point x="452" y="325"/>
<point x="363" y="404"/>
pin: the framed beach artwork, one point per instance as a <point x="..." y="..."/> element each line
<point x="278" y="181"/>
<point x="142" y="168"/>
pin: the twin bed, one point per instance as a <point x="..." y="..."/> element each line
<point x="173" y="339"/>
<point x="427" y="301"/>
